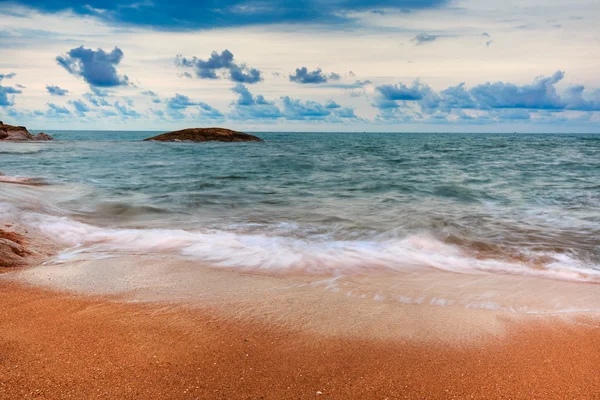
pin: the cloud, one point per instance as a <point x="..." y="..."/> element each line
<point x="354" y="85"/>
<point x="180" y="102"/>
<point x="295" y="109"/>
<point x="298" y="109"/>
<point x="96" y="67"/>
<point x="7" y="76"/>
<point x="56" y="91"/>
<point x="96" y="98"/>
<point x="303" y="75"/>
<point x="108" y="113"/>
<point x="80" y="107"/>
<point x="101" y="92"/>
<point x="424" y="38"/>
<point x="456" y="97"/>
<point x="499" y="100"/>
<point x="56" y="111"/>
<point x="151" y="94"/>
<point x="541" y="94"/>
<point x="247" y="106"/>
<point x="207" y="69"/>
<point x="402" y="92"/>
<point x="5" y="91"/>
<point x="126" y="110"/>
<point x="177" y="104"/>
<point x="185" y="15"/>
<point x="239" y="74"/>
<point x="575" y="101"/>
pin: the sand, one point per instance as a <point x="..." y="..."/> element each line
<point x="56" y="346"/>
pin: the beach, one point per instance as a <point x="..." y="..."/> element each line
<point x="136" y="269"/>
<point x="57" y="345"/>
<point x="70" y="333"/>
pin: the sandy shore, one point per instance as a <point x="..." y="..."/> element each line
<point x="56" y="345"/>
<point x="141" y="327"/>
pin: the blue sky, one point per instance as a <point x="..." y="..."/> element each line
<point x="338" y="65"/>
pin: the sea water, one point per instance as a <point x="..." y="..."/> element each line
<point x="320" y="202"/>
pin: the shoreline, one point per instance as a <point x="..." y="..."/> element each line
<point x="158" y="326"/>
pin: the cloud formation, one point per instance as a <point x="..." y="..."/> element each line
<point x="303" y="75"/>
<point x="185" y="15"/>
<point x="5" y="91"/>
<point x="207" y="69"/>
<point x="56" y="111"/>
<point x="153" y="95"/>
<point x="126" y="110"/>
<point x="96" y="98"/>
<point x="541" y="94"/>
<point x="80" y="107"/>
<point x="248" y="106"/>
<point x="177" y="104"/>
<point x="56" y="91"/>
<point x="498" y="99"/>
<point x="96" y="67"/>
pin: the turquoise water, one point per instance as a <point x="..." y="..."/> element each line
<point x="506" y="203"/>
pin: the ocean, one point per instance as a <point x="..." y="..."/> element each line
<point x="320" y="203"/>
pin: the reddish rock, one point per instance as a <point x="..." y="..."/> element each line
<point x="205" y="135"/>
<point x="19" y="136"/>
<point x="42" y="136"/>
<point x="12" y="252"/>
<point x="19" y="133"/>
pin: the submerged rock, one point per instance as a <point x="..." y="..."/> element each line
<point x="205" y="135"/>
<point x="19" y="133"/>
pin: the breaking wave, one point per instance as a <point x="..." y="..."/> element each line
<point x="286" y="254"/>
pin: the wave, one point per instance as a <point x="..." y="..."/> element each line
<point x="291" y="246"/>
<point x="288" y="254"/>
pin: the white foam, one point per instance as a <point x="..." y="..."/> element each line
<point x="281" y="253"/>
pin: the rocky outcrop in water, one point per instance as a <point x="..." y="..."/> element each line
<point x="19" y="133"/>
<point x="205" y="135"/>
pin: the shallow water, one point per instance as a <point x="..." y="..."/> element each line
<point x="321" y="202"/>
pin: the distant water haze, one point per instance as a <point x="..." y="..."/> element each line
<point x="320" y="203"/>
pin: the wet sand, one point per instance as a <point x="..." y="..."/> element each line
<point x="56" y="345"/>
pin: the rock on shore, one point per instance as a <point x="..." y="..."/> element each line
<point x="205" y="135"/>
<point x="12" y="252"/>
<point x="19" y="133"/>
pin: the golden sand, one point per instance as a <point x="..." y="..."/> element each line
<point x="57" y="346"/>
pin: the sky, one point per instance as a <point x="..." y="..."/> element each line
<point x="329" y="65"/>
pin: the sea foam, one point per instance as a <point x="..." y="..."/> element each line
<point x="284" y="253"/>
